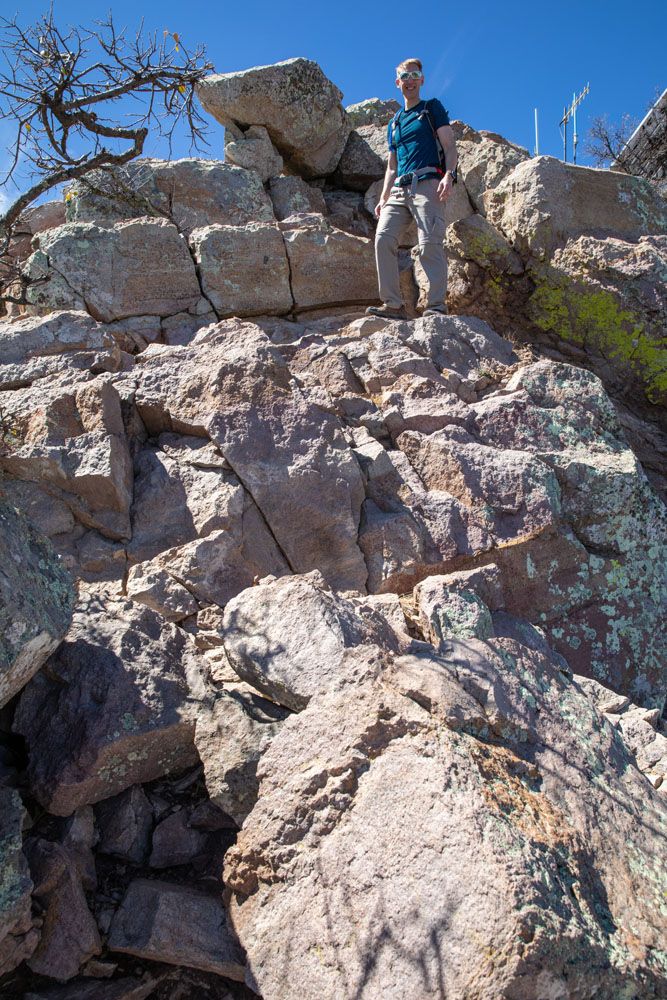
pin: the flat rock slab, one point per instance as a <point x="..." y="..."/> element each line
<point x="112" y="710"/>
<point x="61" y="332"/>
<point x="164" y="922"/>
<point x="299" y="107"/>
<point x="139" y="267"/>
<point x="189" y="192"/>
<point x="126" y="988"/>
<point x="243" y="269"/>
<point x="36" y="601"/>
<point x="432" y="836"/>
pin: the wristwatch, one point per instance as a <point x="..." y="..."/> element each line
<point x="454" y="175"/>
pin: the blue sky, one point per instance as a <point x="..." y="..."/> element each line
<point x="490" y="63"/>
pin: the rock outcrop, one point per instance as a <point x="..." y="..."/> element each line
<point x="294" y="101"/>
<point x="364" y="693"/>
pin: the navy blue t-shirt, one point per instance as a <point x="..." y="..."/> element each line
<point x="413" y="140"/>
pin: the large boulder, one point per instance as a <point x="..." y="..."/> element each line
<point x="114" y="708"/>
<point x="432" y="835"/>
<point x="191" y="193"/>
<point x="372" y="111"/>
<point x="290" y="668"/>
<point x="543" y="203"/>
<point x="231" y="739"/>
<point x="36" y="601"/>
<point x="293" y="196"/>
<point x="299" y="107"/>
<point x="597" y="585"/>
<point x="134" y="268"/>
<point x="69" y="935"/>
<point x="125" y="824"/>
<point x="485" y="159"/>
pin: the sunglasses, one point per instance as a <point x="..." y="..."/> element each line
<point x="412" y="74"/>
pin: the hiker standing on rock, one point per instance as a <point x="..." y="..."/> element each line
<point x="418" y="181"/>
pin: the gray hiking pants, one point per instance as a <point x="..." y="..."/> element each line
<point x="429" y="214"/>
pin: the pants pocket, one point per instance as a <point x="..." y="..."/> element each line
<point x="433" y="229"/>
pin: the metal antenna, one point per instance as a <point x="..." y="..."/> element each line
<point x="568" y="113"/>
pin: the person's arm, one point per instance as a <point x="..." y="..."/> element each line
<point x="448" y="143"/>
<point x="389" y="178"/>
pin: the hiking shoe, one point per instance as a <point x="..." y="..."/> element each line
<point x="387" y="312"/>
<point x="436" y="311"/>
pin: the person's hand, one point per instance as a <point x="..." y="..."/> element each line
<point x="378" y="208"/>
<point x="445" y="187"/>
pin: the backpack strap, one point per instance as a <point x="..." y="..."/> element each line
<point x="426" y="113"/>
<point x="393" y="127"/>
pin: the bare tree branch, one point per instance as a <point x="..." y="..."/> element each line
<point x="606" y="140"/>
<point x="63" y="92"/>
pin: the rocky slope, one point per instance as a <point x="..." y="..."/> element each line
<point x="362" y="691"/>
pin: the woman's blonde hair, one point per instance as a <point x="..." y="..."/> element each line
<point x="409" y="62"/>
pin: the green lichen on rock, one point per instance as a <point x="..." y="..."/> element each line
<point x="464" y="615"/>
<point x="593" y="318"/>
<point x="36" y="601"/>
<point x="17" y="935"/>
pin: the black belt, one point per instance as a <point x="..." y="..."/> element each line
<point x="423" y="174"/>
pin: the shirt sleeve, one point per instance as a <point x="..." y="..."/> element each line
<point x="390" y="144"/>
<point x="439" y="113"/>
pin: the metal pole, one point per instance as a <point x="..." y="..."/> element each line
<point x="537" y="138"/>
<point x="564" y="135"/>
<point x="574" y="122"/>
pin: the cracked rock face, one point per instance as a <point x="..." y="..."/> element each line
<point x="473" y="748"/>
<point x="227" y="255"/>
